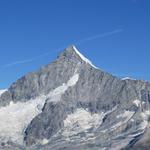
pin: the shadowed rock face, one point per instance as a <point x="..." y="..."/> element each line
<point x="84" y="107"/>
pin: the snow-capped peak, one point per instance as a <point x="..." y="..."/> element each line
<point x="83" y="57"/>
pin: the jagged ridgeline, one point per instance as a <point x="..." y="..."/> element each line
<point x="71" y="104"/>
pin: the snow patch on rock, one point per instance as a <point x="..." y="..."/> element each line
<point x="137" y="102"/>
<point x="126" y="114"/>
<point x="128" y="78"/>
<point x="44" y="141"/>
<point x="145" y="116"/>
<point x="80" y="121"/>
<point x="55" y="95"/>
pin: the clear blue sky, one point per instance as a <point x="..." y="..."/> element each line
<point x="115" y="35"/>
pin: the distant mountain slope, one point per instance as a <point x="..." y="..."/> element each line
<point x="71" y="104"/>
<point x="2" y="91"/>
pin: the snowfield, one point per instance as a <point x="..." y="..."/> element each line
<point x="80" y="121"/>
<point x="15" y="118"/>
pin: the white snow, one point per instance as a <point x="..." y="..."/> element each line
<point x="2" y="91"/>
<point x="136" y="134"/>
<point x="128" y="78"/>
<point x="55" y="95"/>
<point x="80" y="121"/>
<point x="126" y="114"/>
<point x="84" y="58"/>
<point x="44" y="141"/>
<point x="15" y="117"/>
<point x="143" y="125"/>
<point x="145" y="116"/>
<point x="137" y="102"/>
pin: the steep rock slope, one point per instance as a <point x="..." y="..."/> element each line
<point x="71" y="104"/>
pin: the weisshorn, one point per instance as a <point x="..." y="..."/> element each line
<point x="72" y="104"/>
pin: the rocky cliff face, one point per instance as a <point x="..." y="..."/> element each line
<point x="71" y="104"/>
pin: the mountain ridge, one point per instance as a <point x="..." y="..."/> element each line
<point x="64" y="91"/>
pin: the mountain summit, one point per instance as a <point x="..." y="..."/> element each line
<point x="71" y="104"/>
<point x="72" y="51"/>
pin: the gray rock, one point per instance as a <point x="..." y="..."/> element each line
<point x="95" y="92"/>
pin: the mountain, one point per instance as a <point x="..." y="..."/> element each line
<point x="71" y="104"/>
